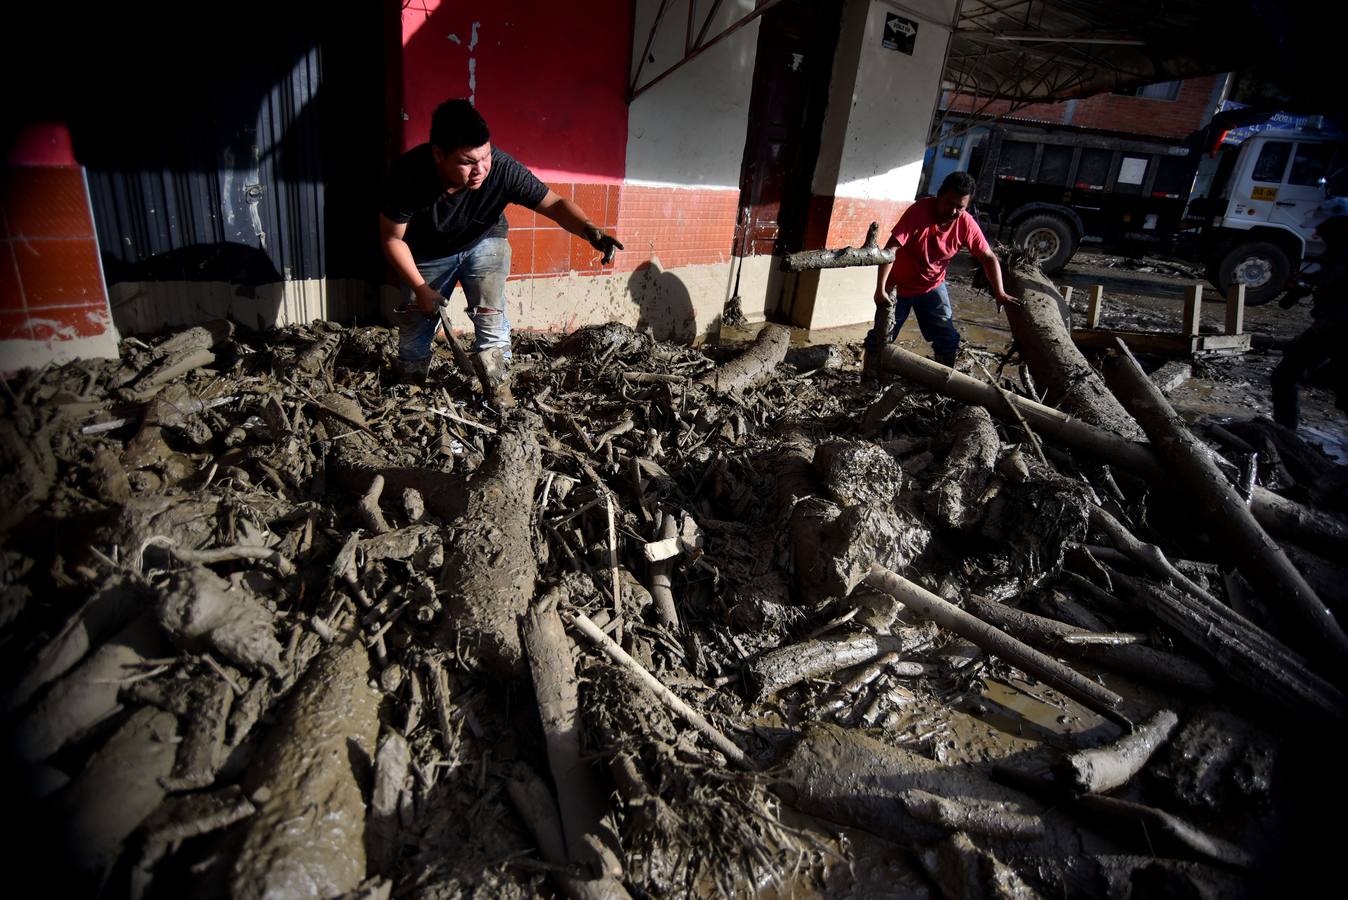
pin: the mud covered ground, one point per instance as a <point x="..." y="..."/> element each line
<point x="238" y="663"/>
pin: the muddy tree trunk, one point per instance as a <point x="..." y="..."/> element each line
<point x="955" y="499"/>
<point x="995" y="641"/>
<point x="1101" y="769"/>
<point x="1278" y="514"/>
<point x="308" y="837"/>
<point x="490" y="566"/>
<point x="752" y="366"/>
<point x="1045" y="342"/>
<point x="1256" y="555"/>
<point x="1147" y="663"/>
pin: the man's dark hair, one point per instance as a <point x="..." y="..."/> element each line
<point x="961" y="184"/>
<point x="456" y="124"/>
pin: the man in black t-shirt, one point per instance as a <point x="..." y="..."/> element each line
<point x="442" y="223"/>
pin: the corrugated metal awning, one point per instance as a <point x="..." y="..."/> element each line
<point x="1029" y="51"/>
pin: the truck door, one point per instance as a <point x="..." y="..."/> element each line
<point x="1253" y="198"/>
<point x="1301" y="191"/>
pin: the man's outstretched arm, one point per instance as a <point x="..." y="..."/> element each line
<point x="993" y="269"/>
<point x="573" y="219"/>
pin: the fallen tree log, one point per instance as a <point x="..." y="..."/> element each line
<point x="1167" y="670"/>
<point x="954" y="499"/>
<point x="1246" y="653"/>
<point x="580" y="798"/>
<point x="1101" y="769"/>
<point x="308" y="837"/>
<point x="779" y="669"/>
<point x="662" y="586"/>
<point x="869" y="253"/>
<point x="1048" y="670"/>
<point x="491" y="566"/>
<point x="1045" y="343"/>
<point x="1278" y="514"/>
<point x="1254" y="553"/>
<point x="533" y="801"/>
<point x="752" y="366"/>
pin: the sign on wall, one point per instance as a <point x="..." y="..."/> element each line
<point x="900" y="34"/>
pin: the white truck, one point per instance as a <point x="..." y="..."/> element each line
<point x="1256" y="226"/>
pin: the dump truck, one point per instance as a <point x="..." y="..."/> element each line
<point x="1049" y="189"/>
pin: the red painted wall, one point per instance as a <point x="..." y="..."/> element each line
<point x="51" y="280"/>
<point x="549" y="78"/>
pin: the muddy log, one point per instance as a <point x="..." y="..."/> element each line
<point x="533" y="801"/>
<point x="87" y="695"/>
<point x="1255" y="554"/>
<point x="1157" y="667"/>
<point x="118" y="788"/>
<point x="955" y="498"/>
<point x="1244" y="652"/>
<point x="580" y="798"/>
<point x="754" y="365"/>
<point x="1101" y="769"/>
<point x="964" y="871"/>
<point x="999" y="643"/>
<point x="490" y="567"/>
<point x="308" y="837"/>
<point x="848" y="777"/>
<point x="868" y="254"/>
<point x="662" y="586"/>
<point x="1278" y="514"/>
<point x="1045" y="342"/>
<point x="781" y="668"/>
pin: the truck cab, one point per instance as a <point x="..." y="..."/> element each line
<point x="1257" y="226"/>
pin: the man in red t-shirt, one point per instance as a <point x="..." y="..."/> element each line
<point x="928" y="236"/>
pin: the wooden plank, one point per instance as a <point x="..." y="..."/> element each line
<point x="1163" y="344"/>
<point x="1096" y="306"/>
<point x="1193" y="309"/>
<point x="1235" y="309"/>
<point x="1065" y="306"/>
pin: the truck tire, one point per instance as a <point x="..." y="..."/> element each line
<point x="1049" y="239"/>
<point x="1262" y="266"/>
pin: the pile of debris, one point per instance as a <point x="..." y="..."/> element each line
<point x="685" y="622"/>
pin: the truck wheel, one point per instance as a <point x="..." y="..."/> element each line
<point x="1262" y="266"/>
<point x="1047" y="239"/>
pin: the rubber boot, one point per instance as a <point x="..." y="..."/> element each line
<point x="494" y="373"/>
<point x="945" y="359"/>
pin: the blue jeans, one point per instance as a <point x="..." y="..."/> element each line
<point x="934" y="317"/>
<point x="482" y="270"/>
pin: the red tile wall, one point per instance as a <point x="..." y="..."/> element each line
<point x="850" y="218"/>
<point x="682" y="227"/>
<point x="51" y="283"/>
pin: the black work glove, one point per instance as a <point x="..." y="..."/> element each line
<point x="604" y="243"/>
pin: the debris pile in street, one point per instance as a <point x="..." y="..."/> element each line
<point x="684" y="623"/>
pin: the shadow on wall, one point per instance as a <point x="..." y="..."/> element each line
<point x="663" y="303"/>
<point x="220" y="160"/>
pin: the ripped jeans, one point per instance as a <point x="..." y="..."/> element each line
<point x="482" y="270"/>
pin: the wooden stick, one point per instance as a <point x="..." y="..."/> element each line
<point x="671" y="700"/>
<point x="1014" y="411"/>
<point x="613" y="568"/>
<point x="998" y="642"/>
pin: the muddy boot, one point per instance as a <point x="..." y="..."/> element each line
<point x="945" y="359"/>
<point x="494" y="373"/>
<point x="413" y="371"/>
